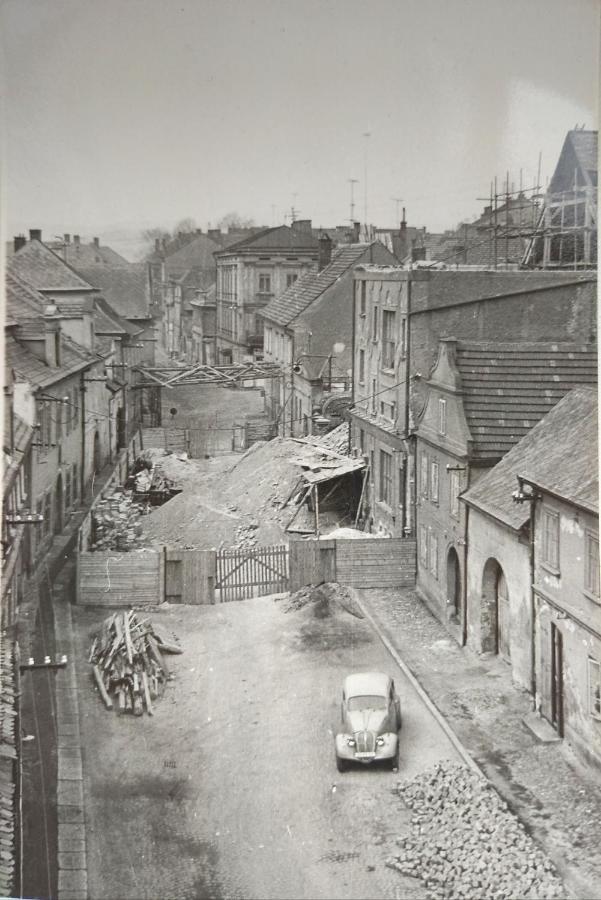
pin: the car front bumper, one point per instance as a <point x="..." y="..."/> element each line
<point x="382" y="751"/>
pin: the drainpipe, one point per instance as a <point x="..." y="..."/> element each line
<point x="82" y="413"/>
<point x="465" y="551"/>
<point x="532" y="602"/>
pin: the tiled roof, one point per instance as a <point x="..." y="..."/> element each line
<point x="585" y="148"/>
<point x="43" y="270"/>
<point x="29" y="367"/>
<point x="22" y="301"/>
<point x="508" y="388"/>
<point x="560" y="454"/>
<point x="123" y="287"/>
<point x="280" y="238"/>
<point x="197" y="253"/>
<point x="108" y="321"/>
<point x="85" y="255"/>
<point x="305" y="290"/>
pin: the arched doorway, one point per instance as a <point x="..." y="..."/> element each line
<point x="96" y="464"/>
<point x="453" y="581"/>
<point x="495" y="613"/>
<point x="58" y="505"/>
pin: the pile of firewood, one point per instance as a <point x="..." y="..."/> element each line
<point x="128" y="664"/>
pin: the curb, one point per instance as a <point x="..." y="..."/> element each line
<point x="72" y="861"/>
<point x="424" y="697"/>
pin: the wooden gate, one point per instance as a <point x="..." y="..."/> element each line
<point x="251" y="573"/>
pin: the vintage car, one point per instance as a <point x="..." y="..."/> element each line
<point x="371" y="718"/>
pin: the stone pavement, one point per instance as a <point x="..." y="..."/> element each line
<point x="557" y="798"/>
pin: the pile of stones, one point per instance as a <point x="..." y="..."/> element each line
<point x="465" y="843"/>
<point x="116" y="522"/>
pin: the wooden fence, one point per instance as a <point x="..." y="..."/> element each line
<point x="120" y="579"/>
<point x="362" y="563"/>
<point x="252" y="573"/>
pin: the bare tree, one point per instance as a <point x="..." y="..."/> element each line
<point x="235" y="220"/>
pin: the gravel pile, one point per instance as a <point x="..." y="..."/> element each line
<point x="466" y="844"/>
<point x="326" y="599"/>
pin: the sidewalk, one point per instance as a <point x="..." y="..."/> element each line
<point x="554" y="795"/>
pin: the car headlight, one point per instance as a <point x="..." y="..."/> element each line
<point x="380" y="741"/>
<point x="350" y="742"/>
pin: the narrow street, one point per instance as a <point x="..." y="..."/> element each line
<point x="231" y="789"/>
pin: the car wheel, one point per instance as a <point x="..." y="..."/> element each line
<point x="341" y="764"/>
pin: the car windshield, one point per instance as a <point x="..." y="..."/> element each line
<point x="368" y="701"/>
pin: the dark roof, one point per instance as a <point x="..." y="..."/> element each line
<point x="86" y="255"/>
<point x="197" y="253"/>
<point x="43" y="270"/>
<point x="508" y="388"/>
<point x="123" y="287"/>
<point x="272" y="239"/>
<point x="108" y="321"/>
<point x="585" y="149"/>
<point x="560" y="453"/>
<point x="29" y="367"/>
<point x="295" y="299"/>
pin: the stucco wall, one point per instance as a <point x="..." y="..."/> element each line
<point x="489" y="539"/>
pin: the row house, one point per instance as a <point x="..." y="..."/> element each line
<point x="250" y="274"/>
<point x="532" y="580"/>
<point x="482" y="399"/>
<point x="400" y="315"/>
<point x="308" y="331"/>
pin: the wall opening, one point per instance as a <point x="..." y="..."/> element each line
<point x="495" y="613"/>
<point x="453" y="582"/>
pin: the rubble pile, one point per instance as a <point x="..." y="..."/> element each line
<point x="466" y="843"/>
<point x="326" y="598"/>
<point x="336" y="440"/>
<point x="127" y="662"/>
<point x="116" y="522"/>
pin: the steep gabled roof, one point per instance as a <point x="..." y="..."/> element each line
<point x="560" y="453"/>
<point x="86" y="255"/>
<point x="197" y="253"/>
<point x="43" y="270"/>
<point x="508" y="388"/>
<point x="108" y="321"/>
<point x="124" y="288"/>
<point x="295" y="299"/>
<point x="29" y="367"/>
<point x="271" y="239"/>
<point x="584" y="144"/>
<point x="22" y="301"/>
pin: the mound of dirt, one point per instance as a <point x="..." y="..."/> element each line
<point x="323" y="601"/>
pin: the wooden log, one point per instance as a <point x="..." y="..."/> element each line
<point x="169" y="648"/>
<point x="154" y="651"/>
<point x="121" y="699"/>
<point x="103" y="693"/>
<point x="146" y="693"/>
<point x="138" y="707"/>
<point x="128" y="644"/>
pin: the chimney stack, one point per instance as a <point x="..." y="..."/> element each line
<point x="67" y="238"/>
<point x="403" y="223"/>
<point x="356" y="228"/>
<point x="76" y="240"/>
<point x="96" y="242"/>
<point x="302" y="226"/>
<point x="35" y="234"/>
<point x="19" y="241"/>
<point x="325" y="251"/>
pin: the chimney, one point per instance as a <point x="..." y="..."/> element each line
<point x="76" y="240"/>
<point x="35" y="234"/>
<point x="356" y="227"/>
<point x="67" y="238"/>
<point x="403" y="224"/>
<point x="52" y="337"/>
<point x="302" y="226"/>
<point x="325" y="251"/>
<point x="96" y="242"/>
<point x="19" y="241"/>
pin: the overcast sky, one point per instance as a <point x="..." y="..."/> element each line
<point x="121" y="114"/>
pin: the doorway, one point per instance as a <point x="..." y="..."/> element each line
<point x="556" y="679"/>
<point x="453" y="581"/>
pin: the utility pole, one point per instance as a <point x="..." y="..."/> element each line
<point x="352" y="182"/>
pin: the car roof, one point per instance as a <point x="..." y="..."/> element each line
<point x="362" y="683"/>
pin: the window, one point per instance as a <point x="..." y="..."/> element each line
<point x="423" y="475"/>
<point x="401" y="488"/>
<point x="423" y="545"/>
<point x="290" y="279"/>
<point x="264" y="284"/>
<point x="361" y="366"/>
<point x="594" y="688"/>
<point x="376" y="320"/>
<point x="454" y="494"/>
<point x="361" y="440"/>
<point x="388" y="345"/>
<point x="386" y="477"/>
<point x="374" y="391"/>
<point x="442" y="416"/>
<point x="433" y="554"/>
<point x="591" y="561"/>
<point x="403" y="336"/>
<point x="551" y="538"/>
<point x="363" y="300"/>
<point x="434" y="482"/>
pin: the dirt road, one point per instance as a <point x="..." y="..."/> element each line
<point x="231" y="789"/>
